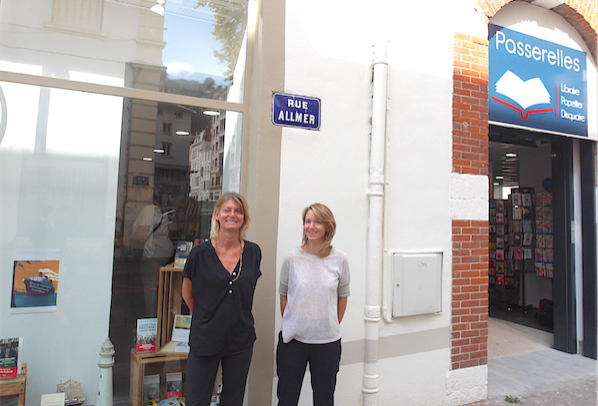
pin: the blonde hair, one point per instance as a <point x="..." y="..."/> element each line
<point x="240" y="200"/>
<point x="325" y="216"/>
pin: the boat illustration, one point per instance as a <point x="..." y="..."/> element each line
<point x="38" y="286"/>
<point x="42" y="284"/>
<point x="73" y="392"/>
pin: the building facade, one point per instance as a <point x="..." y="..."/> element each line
<point x="409" y="153"/>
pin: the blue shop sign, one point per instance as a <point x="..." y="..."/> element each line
<point x="536" y="84"/>
<point x="296" y="111"/>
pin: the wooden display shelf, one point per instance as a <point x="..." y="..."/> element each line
<point x="150" y="363"/>
<point x="170" y="295"/>
<point x="15" y="387"/>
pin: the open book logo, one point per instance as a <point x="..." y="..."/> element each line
<point x="526" y="94"/>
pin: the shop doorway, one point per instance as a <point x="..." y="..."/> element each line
<point x="537" y="266"/>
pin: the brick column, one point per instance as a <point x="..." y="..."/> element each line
<point x="469" y="345"/>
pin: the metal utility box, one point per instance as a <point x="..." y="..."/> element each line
<point x="417" y="283"/>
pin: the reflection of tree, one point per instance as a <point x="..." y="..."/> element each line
<point x="192" y="88"/>
<point x="229" y="29"/>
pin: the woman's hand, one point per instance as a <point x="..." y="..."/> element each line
<point x="188" y="294"/>
<point x="283" y="304"/>
<point x="342" y="306"/>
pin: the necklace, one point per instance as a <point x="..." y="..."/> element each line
<point x="241" y="248"/>
<point x="240" y="265"/>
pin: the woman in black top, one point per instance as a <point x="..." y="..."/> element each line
<point x="219" y="281"/>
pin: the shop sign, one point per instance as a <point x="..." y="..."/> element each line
<point x="295" y="111"/>
<point x="536" y="84"/>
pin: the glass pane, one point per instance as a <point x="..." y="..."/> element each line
<point x="175" y="162"/>
<point x="58" y="182"/>
<point x="190" y="47"/>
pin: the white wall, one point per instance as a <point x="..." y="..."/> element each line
<point x="329" y="54"/>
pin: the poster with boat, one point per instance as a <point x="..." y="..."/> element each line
<point x="35" y="281"/>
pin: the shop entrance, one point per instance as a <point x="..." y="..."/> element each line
<point x="537" y="266"/>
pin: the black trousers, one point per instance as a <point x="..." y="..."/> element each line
<point x="201" y="373"/>
<point x="291" y="361"/>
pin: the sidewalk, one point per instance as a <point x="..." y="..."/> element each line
<point x="541" y="376"/>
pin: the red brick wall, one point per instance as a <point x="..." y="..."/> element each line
<point x="470" y="105"/>
<point x="469" y="335"/>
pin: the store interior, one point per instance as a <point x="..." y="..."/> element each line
<point x="520" y="228"/>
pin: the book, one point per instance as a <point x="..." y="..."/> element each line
<point x="53" y="399"/>
<point x="10" y="357"/>
<point x="181" y="328"/>
<point x="174" y="385"/>
<point x="151" y="387"/>
<point x="182" y="346"/>
<point x="171" y="402"/>
<point x="526" y="94"/>
<point x="146" y="335"/>
<point x="183" y="249"/>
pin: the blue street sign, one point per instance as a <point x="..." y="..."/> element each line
<point x="295" y="111"/>
<point x="536" y="84"/>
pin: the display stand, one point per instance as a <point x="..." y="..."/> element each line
<point x="163" y="361"/>
<point x="170" y="294"/>
<point x="144" y="364"/>
<point x="15" y="387"/>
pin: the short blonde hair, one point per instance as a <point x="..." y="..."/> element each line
<point x="324" y="215"/>
<point x="240" y="200"/>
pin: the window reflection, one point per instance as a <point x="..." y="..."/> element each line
<point x="187" y="47"/>
<point x="174" y="163"/>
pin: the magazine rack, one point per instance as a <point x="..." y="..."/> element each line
<point x="15" y="387"/>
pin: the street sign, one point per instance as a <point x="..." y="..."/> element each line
<point x="536" y="84"/>
<point x="295" y="111"/>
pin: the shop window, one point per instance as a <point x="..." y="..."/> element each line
<point x="63" y="191"/>
<point x="153" y="35"/>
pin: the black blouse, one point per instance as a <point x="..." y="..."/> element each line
<point x="222" y="318"/>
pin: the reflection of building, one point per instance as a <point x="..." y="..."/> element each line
<point x="218" y="126"/>
<point x="201" y="160"/>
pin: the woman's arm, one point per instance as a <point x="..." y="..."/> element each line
<point x="188" y="294"/>
<point x="283" y="304"/>
<point x="342" y="306"/>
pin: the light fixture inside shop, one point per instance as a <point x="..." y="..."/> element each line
<point x="211" y="113"/>
<point x="159" y="151"/>
<point x="146" y="158"/>
<point x="511" y="155"/>
<point x="496" y="183"/>
<point x="182" y="132"/>
<point x="498" y="177"/>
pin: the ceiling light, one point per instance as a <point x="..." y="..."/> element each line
<point x="211" y="113"/>
<point x="182" y="132"/>
<point x="498" y="177"/>
<point x="510" y="154"/>
<point x="145" y="158"/>
<point x="496" y="183"/>
<point x="159" y="151"/>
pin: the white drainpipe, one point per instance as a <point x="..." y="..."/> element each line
<point x="374" y="248"/>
